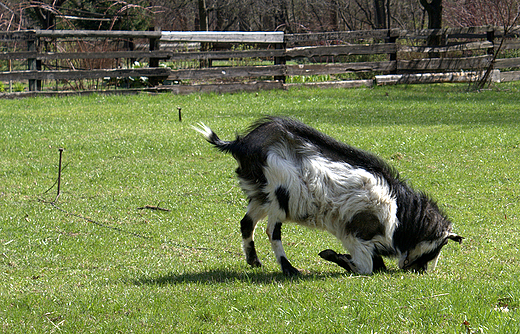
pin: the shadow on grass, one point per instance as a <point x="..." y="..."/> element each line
<point x="253" y="277"/>
<point x="227" y="276"/>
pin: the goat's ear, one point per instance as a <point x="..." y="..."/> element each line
<point x="455" y="237"/>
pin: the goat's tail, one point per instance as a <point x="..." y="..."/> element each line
<point x="212" y="137"/>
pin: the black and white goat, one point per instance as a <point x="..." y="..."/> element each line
<point x="291" y="172"/>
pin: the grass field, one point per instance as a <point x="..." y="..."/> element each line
<point x="131" y="270"/>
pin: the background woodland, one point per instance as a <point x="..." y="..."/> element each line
<point x="290" y="16"/>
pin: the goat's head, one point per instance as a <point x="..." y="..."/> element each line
<point x="424" y="255"/>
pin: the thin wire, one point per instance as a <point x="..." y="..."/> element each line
<point x="54" y="205"/>
<point x="55" y="182"/>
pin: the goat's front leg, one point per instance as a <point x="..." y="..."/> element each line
<point x="342" y="260"/>
<point x="345" y="260"/>
<point x="274" y="231"/>
<point x="362" y="261"/>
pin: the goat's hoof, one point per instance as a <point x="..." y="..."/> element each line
<point x="255" y="263"/>
<point x="378" y="264"/>
<point x="291" y="272"/>
<point x="287" y="268"/>
<point x="329" y="255"/>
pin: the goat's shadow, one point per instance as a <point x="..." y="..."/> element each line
<point x="217" y="276"/>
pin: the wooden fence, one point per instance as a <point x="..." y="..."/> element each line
<point x="229" y="61"/>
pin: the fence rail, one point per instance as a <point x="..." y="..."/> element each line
<point x="392" y="53"/>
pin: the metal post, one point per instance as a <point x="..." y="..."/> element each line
<point x="59" y="175"/>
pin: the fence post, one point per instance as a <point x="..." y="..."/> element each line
<point x="392" y="38"/>
<point x="490" y="36"/>
<point x="155" y="44"/>
<point x="33" y="64"/>
<point x="280" y="60"/>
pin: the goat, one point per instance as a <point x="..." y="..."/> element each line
<point x="292" y="172"/>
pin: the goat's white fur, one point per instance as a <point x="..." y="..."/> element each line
<point x="311" y="189"/>
<point x="325" y="195"/>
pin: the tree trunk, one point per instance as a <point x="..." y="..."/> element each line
<point x="380" y="9"/>
<point x="203" y="26"/>
<point x="434" y="11"/>
<point x="203" y="16"/>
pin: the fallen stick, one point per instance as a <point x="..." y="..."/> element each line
<point x="151" y="207"/>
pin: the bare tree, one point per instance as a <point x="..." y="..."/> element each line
<point x="380" y="14"/>
<point x="203" y="15"/>
<point x="409" y="14"/>
<point x="8" y="16"/>
<point x="504" y="13"/>
<point x="509" y="13"/>
<point x="434" y="10"/>
<point x="480" y="12"/>
<point x="45" y="13"/>
<point x="250" y="15"/>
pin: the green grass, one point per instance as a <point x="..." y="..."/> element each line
<point x="183" y="271"/>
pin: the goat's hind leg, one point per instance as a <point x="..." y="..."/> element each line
<point x="274" y="231"/>
<point x="247" y="228"/>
